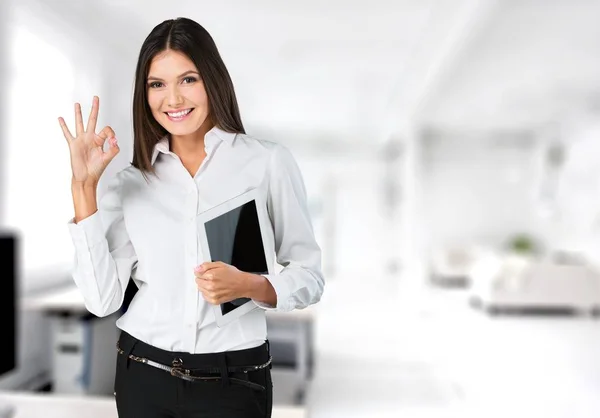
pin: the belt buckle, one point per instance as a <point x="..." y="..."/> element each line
<point x="177" y="368"/>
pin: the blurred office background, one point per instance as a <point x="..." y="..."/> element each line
<point x="451" y="153"/>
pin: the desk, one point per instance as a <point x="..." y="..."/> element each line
<point x="286" y="329"/>
<point x="68" y="298"/>
<point x="42" y="405"/>
<point x="82" y="346"/>
<point x="290" y="326"/>
<point x="62" y="299"/>
<point x="293" y="330"/>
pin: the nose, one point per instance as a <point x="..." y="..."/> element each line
<point x="175" y="99"/>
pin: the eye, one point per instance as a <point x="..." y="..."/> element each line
<point x="190" y="80"/>
<point x="155" y="84"/>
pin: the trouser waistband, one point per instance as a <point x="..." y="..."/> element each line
<point x="198" y="367"/>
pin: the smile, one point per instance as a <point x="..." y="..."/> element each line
<point x="179" y="115"/>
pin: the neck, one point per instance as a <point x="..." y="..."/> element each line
<point x="190" y="147"/>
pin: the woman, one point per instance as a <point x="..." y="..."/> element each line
<point x="190" y="154"/>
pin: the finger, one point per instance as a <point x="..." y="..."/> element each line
<point x="78" y="120"/>
<point x="208" y="296"/>
<point x="212" y="301"/>
<point x="206" y="278"/>
<point x="208" y="266"/>
<point x="205" y="284"/>
<point x="211" y="298"/>
<point x="204" y="275"/>
<point x="113" y="150"/>
<point x="65" y="130"/>
<point x="91" y="126"/>
<point x="106" y="133"/>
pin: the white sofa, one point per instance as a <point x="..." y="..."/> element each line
<point x="517" y="282"/>
<point x="450" y="265"/>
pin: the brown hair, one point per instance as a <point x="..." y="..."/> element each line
<point x="190" y="38"/>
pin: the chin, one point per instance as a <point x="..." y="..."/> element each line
<point x="180" y="130"/>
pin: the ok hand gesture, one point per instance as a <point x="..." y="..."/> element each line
<point x="88" y="158"/>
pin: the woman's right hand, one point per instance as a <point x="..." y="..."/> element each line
<point x="88" y="158"/>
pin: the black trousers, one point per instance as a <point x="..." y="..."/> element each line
<point x="143" y="391"/>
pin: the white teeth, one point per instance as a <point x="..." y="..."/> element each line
<point x="179" y="114"/>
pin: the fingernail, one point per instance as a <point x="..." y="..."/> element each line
<point x="198" y="269"/>
<point x="112" y="141"/>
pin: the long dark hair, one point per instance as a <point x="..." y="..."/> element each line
<point x="190" y="38"/>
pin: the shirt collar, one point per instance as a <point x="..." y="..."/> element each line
<point x="211" y="139"/>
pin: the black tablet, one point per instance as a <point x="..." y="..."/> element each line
<point x="234" y="232"/>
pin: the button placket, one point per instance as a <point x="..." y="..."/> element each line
<point x="191" y="261"/>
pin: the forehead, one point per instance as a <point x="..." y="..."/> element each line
<point x="170" y="63"/>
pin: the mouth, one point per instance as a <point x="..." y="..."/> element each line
<point x="179" y="115"/>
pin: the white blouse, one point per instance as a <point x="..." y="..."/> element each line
<point x="149" y="231"/>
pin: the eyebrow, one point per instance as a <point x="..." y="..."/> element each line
<point x="181" y="75"/>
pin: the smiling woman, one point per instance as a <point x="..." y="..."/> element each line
<point x="174" y="100"/>
<point x="191" y="154"/>
<point x="186" y="87"/>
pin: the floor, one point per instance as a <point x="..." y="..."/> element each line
<point x="389" y="350"/>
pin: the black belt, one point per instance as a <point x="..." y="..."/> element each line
<point x="177" y="370"/>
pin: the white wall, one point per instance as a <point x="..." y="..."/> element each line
<point x="351" y="223"/>
<point x="482" y="188"/>
<point x="37" y="197"/>
<point x="78" y="64"/>
<point x="32" y="361"/>
<point x="534" y="61"/>
<point x="479" y="188"/>
<point x="577" y="210"/>
<point x="5" y="15"/>
<point x="35" y="170"/>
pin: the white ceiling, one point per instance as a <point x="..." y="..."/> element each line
<point x="537" y="62"/>
<point x="318" y="70"/>
<point x="352" y="72"/>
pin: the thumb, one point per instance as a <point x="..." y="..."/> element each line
<point x="113" y="150"/>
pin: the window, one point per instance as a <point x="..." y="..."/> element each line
<point x="37" y="164"/>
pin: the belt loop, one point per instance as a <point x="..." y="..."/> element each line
<point x="222" y="357"/>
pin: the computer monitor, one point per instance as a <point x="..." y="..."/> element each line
<point x="8" y="306"/>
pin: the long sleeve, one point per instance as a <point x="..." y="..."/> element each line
<point x="104" y="255"/>
<point x="300" y="283"/>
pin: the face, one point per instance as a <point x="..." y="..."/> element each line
<point x="176" y="94"/>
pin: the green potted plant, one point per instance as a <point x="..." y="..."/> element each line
<point x="522" y="244"/>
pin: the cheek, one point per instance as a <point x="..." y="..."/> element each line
<point x="200" y="98"/>
<point x="154" y="102"/>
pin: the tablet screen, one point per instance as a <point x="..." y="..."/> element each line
<point x="235" y="238"/>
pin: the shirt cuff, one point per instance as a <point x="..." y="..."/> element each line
<point x="281" y="292"/>
<point x="88" y="232"/>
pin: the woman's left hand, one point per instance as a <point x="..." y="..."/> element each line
<point x="220" y="282"/>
